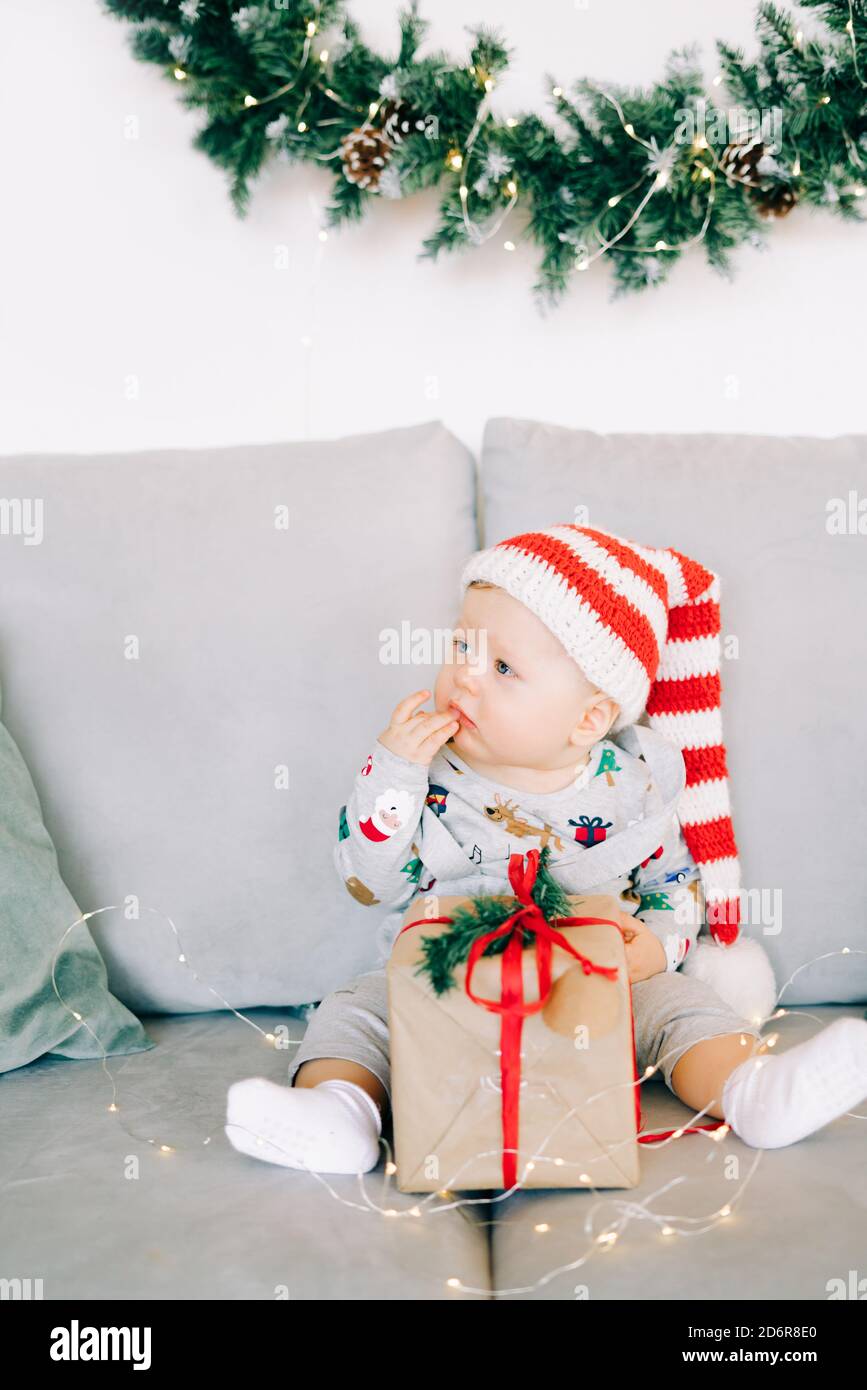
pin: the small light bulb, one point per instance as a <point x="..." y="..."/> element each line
<point x="76" y="1015"/>
<point x="463" y="190"/>
<point x="584" y="1177"/>
<point x="661" y="246"/>
<point x="456" y="161"/>
<point x="845" y="950"/>
<point x="311" y="28"/>
<point x="668" y="1230"/>
<point x="796" y="167"/>
<point x="372" y="107"/>
<point x="302" y="126"/>
<point x="489" y="84"/>
<point x="612" y="202"/>
<point x="556" y="91"/>
<point x="542" y="1226"/>
<point x="849" y="27"/>
<point x="391" y="1167"/>
<point x="182" y="958"/>
<point x="112" y="1106"/>
<point x="726" y="1210"/>
<point x="511" y="187"/>
<point x="269" y="1037"/>
<point x="511" y="122"/>
<point x="529" y="1166"/>
<point x="165" y="1148"/>
<point x="250" y="101"/>
<point x="629" y="128"/>
<point x="823" y="101"/>
<point x="706" y="173"/>
<point x="323" y="236"/>
<point x="508" y="246"/>
<point x="799" y="36"/>
<point x="180" y="74"/>
<point x="718" y="79"/>
<point x="699" y="143"/>
<point x="661" y="179"/>
<point x="453" y="1283"/>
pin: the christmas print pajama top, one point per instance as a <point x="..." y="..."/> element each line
<point x="409" y="830"/>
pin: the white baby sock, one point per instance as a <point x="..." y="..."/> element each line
<point x="330" y="1128"/>
<point x="773" y="1101"/>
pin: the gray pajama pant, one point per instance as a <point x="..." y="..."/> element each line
<point x="671" y="1012"/>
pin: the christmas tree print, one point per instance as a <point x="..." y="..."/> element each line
<point x="659" y="902"/>
<point x="608" y="764"/>
<point x="343" y="826"/>
<point x="413" y="867"/>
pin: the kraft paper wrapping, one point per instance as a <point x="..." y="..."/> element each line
<point x="446" y="1091"/>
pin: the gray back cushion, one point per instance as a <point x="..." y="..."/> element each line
<point x="166" y="651"/>
<point x="757" y="509"/>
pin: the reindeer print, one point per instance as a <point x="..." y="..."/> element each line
<point x="506" y="813"/>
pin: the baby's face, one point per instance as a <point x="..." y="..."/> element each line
<point x="531" y="705"/>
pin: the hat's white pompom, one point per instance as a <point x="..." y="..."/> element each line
<point x="741" y="974"/>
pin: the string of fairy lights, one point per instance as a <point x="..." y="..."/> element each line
<point x="628" y="1209"/>
<point x="661" y="162"/>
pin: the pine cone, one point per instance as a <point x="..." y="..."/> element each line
<point x="398" y="120"/>
<point x="365" y="151"/>
<point x="739" y="161"/>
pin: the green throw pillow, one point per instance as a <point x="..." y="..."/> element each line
<point x="36" y="908"/>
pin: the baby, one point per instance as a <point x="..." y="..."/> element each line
<point x="566" y="638"/>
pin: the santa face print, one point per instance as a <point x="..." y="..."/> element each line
<point x="393" y="809"/>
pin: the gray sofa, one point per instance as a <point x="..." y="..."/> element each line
<point x="203" y="775"/>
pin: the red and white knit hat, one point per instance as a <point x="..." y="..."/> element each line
<point x="643" y="624"/>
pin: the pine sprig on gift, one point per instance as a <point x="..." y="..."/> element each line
<point x="443" y="953"/>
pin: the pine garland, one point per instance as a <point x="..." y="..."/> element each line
<point x="451" y="947"/>
<point x="621" y="176"/>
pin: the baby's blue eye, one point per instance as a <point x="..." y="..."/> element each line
<point x="499" y="661"/>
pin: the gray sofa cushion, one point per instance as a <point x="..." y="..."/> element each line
<point x="194" y="689"/>
<point x="753" y="508"/>
<point x="43" y="944"/>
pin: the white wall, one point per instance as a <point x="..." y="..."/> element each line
<point x="123" y="259"/>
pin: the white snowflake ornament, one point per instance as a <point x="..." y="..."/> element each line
<point x="390" y="185"/>
<point x="245" y="18"/>
<point x="179" y="47"/>
<point x="274" y="129"/>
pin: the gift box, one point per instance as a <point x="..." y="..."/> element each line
<point x="590" y="831"/>
<point x="524" y="1071"/>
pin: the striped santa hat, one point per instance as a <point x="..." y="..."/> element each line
<point x="643" y="624"/>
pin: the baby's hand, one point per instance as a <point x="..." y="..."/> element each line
<point x="415" y="734"/>
<point x="645" y="953"/>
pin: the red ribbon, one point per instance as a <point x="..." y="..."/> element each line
<point x="511" y="1005"/>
